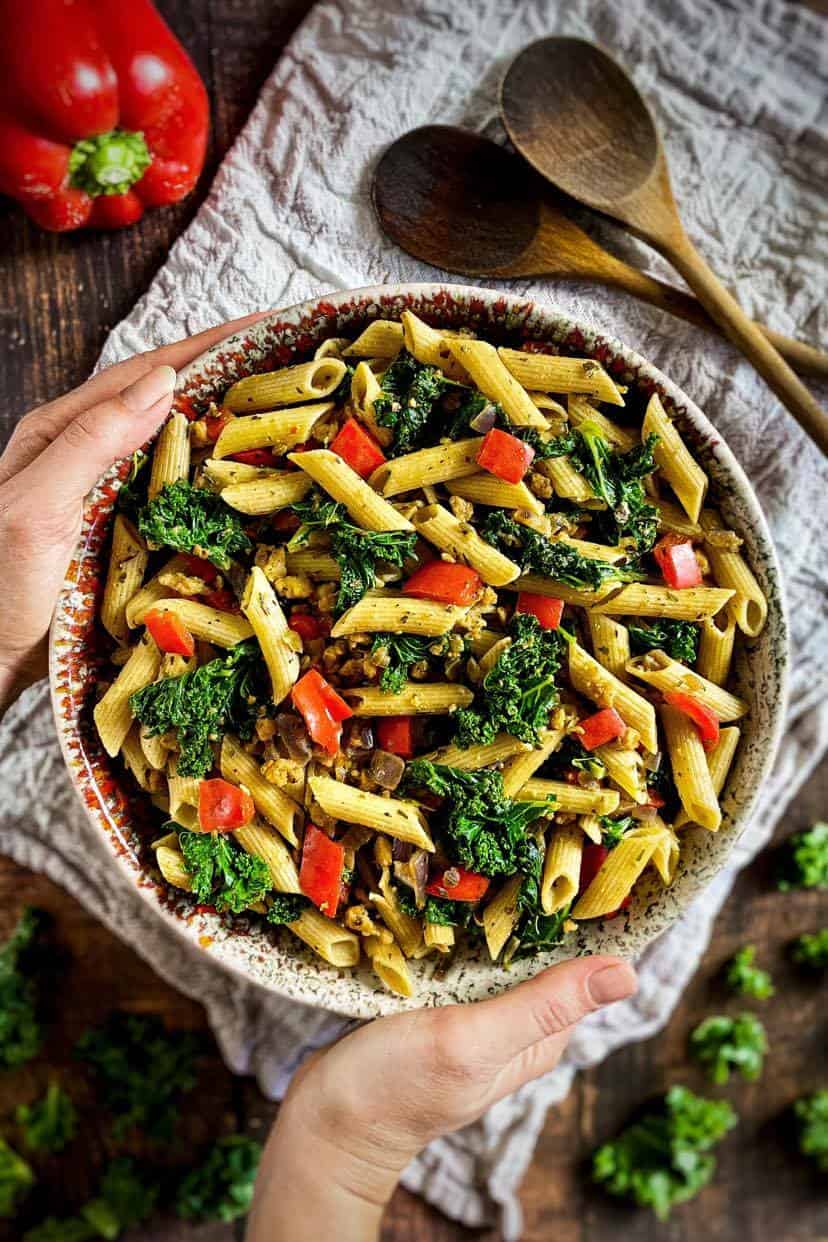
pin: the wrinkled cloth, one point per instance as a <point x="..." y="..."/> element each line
<point x="737" y="88"/>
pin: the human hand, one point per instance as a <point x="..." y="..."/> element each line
<point x="56" y="454"/>
<point x="356" y="1114"/>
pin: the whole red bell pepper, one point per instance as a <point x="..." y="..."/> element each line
<point x="102" y="112"/>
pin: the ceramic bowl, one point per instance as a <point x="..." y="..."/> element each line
<point x="276" y="960"/>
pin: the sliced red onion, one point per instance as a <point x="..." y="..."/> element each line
<point x="485" y="420"/>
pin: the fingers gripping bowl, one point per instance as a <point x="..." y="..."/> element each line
<point x="592" y="728"/>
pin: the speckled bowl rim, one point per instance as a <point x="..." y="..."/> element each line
<point x="280" y="964"/>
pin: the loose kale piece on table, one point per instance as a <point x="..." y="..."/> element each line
<point x="811" y="949"/>
<point x="48" y="1124"/>
<point x="21" y="959"/>
<point x="192" y="519"/>
<point x="16" y="1179"/>
<point x="720" y="1044"/>
<point x="745" y="977"/>
<point x="804" y="860"/>
<point x="811" y="1113"/>
<point x="222" y="1187"/>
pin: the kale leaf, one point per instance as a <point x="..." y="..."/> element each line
<point x="480" y="828"/>
<point x="745" y="978"/>
<point x="143" y="1070"/>
<point x="403" y="651"/>
<point x="720" y="1043"/>
<point x="125" y="1198"/>
<point x="408" y="401"/>
<point x="612" y="830"/>
<point x="804" y="860"/>
<point x="286" y="908"/>
<point x="222" y="1187"/>
<point x="132" y="496"/>
<point x="811" y="949"/>
<point x="218" y="697"/>
<point x="48" y="1124"/>
<point x="552" y="558"/>
<point x="617" y="479"/>
<point x="16" y="1179"/>
<point x="439" y="910"/>
<point x="811" y="1114"/>
<point x="356" y="551"/>
<point x="664" y="1158"/>
<point x="571" y="754"/>
<point x="21" y="1034"/>
<point x="223" y="874"/>
<point x="535" y="930"/>
<point x="192" y="519"/>
<point x="680" y="639"/>
<point x="519" y="691"/>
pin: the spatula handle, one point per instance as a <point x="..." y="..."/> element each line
<point x="747" y="336"/>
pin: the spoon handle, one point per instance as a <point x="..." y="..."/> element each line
<point x="744" y="333"/>
<point x="806" y="359"/>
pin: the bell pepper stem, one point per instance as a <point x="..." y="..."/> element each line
<point x="109" y="163"/>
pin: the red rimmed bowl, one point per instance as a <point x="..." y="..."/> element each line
<point x="276" y="960"/>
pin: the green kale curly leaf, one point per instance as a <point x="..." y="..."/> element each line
<point x="804" y="860"/>
<point x="222" y="1187"/>
<point x="223" y="874"/>
<point x="192" y="519"/>
<point x="551" y="558"/>
<point x="746" y="978"/>
<point x="721" y="1043"/>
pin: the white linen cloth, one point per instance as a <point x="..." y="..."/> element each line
<point x="737" y="86"/>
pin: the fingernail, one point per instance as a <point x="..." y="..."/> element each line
<point x="612" y="983"/>
<point x="149" y="389"/>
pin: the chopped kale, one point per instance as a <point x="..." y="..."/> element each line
<point x="480" y="828"/>
<point x="545" y="447"/>
<point x="223" y="874"/>
<point x="664" y="1158"/>
<point x="811" y="949"/>
<point x="286" y="908"/>
<point x="721" y="1043"/>
<point x="811" y="1113"/>
<point x="407" y="405"/>
<point x="356" y="551"/>
<point x="21" y="1033"/>
<point x="403" y="651"/>
<point x="48" y="1124"/>
<point x="518" y="693"/>
<point x="617" y="479"/>
<point x="222" y="1187"/>
<point x="143" y="1070"/>
<point x="571" y="754"/>
<point x="133" y="493"/>
<point x="680" y="639"/>
<point x="192" y="519"/>
<point x="535" y="930"/>
<point x="65" y="1229"/>
<point x="612" y="830"/>
<point x="126" y="1197"/>
<point x="804" y="860"/>
<point x="16" y="1179"/>
<point x="661" y="780"/>
<point x="218" y="697"/>
<point x="343" y="390"/>
<point x="552" y="558"/>
<point x="553" y="446"/>
<point x="745" y="978"/>
<point x="438" y="910"/>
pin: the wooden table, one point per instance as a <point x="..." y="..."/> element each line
<point x="60" y="296"/>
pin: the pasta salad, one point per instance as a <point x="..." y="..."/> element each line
<point x="423" y="640"/>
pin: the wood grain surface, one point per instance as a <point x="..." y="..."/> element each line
<point x="58" y="298"/>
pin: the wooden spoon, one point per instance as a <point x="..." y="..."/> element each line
<point x="578" y="118"/>
<point x="461" y="202"/>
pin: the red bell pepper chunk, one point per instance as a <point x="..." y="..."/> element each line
<point x="457" y="884"/>
<point x="169" y="633"/>
<point x="223" y="807"/>
<point x="505" y="456"/>
<point x="255" y="457"/>
<point x="215" y="423"/>
<point x="703" y="717"/>
<point x="102" y="113"/>
<point x="654" y="798"/>
<point x="603" y="727"/>
<point x="677" y="561"/>
<point x="444" y="581"/>
<point x="396" y="735"/>
<point x="357" y="448"/>
<point x="307" y="626"/>
<point x="320" y="871"/>
<point x="197" y="567"/>
<point x="546" y="608"/>
<point x="223" y="599"/>
<point x="321" y="708"/>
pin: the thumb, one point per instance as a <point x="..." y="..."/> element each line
<point x="101" y="435"/>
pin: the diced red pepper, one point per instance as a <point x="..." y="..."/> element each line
<point x="457" y="884"/>
<point x="677" y="561"/>
<point x="285" y="522"/>
<point x="223" y="599"/>
<point x="169" y="633"/>
<point x="215" y="424"/>
<point x="505" y="456"/>
<point x="603" y="727"/>
<point x="223" y="807"/>
<point x="320" y="872"/>
<point x="197" y="567"/>
<point x="307" y="626"/>
<point x="255" y="457"/>
<point x="396" y="735"/>
<point x="358" y="448"/>
<point x="592" y="860"/>
<point x="546" y="608"/>
<point x="654" y="798"/>
<point x="445" y="581"/>
<point x="321" y="708"/>
<point x="703" y="717"/>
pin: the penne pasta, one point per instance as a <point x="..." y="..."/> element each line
<point x="416" y="698"/>
<point x="407" y="931"/>
<point x="308" y="381"/>
<point x="690" y="770"/>
<point x="278" y="643"/>
<point x="277" y="429"/>
<point x="673" y="519"/>
<point x="113" y="715"/>
<point x="314" y="563"/>
<point x="264" y="842"/>
<point x="226" y="473"/>
<point x="657" y="669"/>
<point x="518" y="770"/>
<point x="615" y="879"/>
<point x="332" y="942"/>
<point x="561" y="869"/>
<point x="719" y="761"/>
<point x="610" y="644"/>
<point x="270" y="802"/>
<point x="398" y="614"/>
<point x="173" y="868"/>
<point x="440" y="527"/>
<point x="438" y="936"/>
<point x="427" y="467"/>
<point x="431" y="347"/>
<point x="171" y="457"/>
<point x="127" y="562"/>
<point x="605" y="690"/>
<point x="581" y="410"/>
<point x="551" y="373"/>
<point x="488" y="372"/>
<point x="626" y="768"/>
<point x="268" y="495"/>
<point x="368" y="510"/>
<point x="639" y="599"/>
<point x="568" y="482"/>
<point x="365" y="388"/>
<point x="716" y="648"/>
<point x="152" y="591"/>
<point x="225" y="629"/>
<point x="393" y="816"/>
<point x="381" y="339"/>
<point x="568" y="797"/>
<point x="389" y="965"/>
<point x="136" y="761"/>
<point x="674" y="459"/>
<point x="486" y="489"/>
<point x="747" y="606"/>
<point x="584" y="597"/>
<point x="500" y="916"/>
<point x="485" y="755"/>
